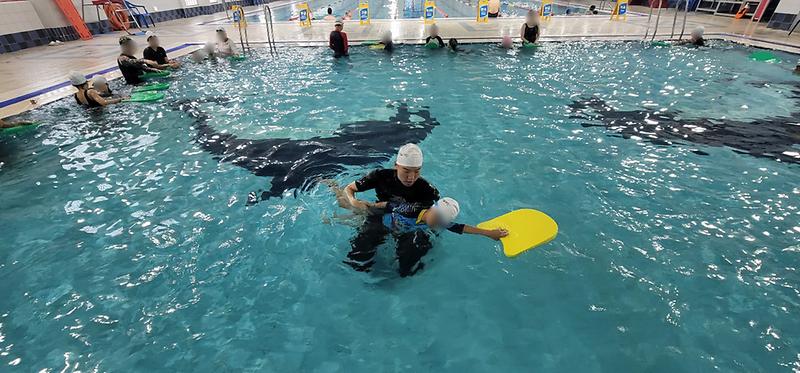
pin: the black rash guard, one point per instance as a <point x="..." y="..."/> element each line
<point x="131" y="69"/>
<point x="159" y="55"/>
<point x="388" y="188"/>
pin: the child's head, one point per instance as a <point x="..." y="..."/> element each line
<point x="507" y="43"/>
<point x="442" y="213"/>
<point x="697" y="33"/>
<point x="387" y="37"/>
<point x="100" y="84"/>
<point x="221" y="34"/>
<point x="453" y="43"/>
<point x="152" y="39"/>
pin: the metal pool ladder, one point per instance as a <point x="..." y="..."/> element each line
<point x="273" y="49"/>
<point x="658" y="18"/>
<point x="675" y="18"/>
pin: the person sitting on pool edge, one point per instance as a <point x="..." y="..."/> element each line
<point x="529" y="32"/>
<point x="130" y="66"/>
<point x="433" y="32"/>
<point x="329" y="16"/>
<point x="154" y="52"/>
<point x="338" y="40"/>
<point x="86" y="96"/>
<point x="401" y="184"/>
<point x="225" y="46"/>
<point x="100" y="84"/>
<point x="493" y="8"/>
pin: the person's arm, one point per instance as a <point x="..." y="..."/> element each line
<point x="522" y="33"/>
<point x="441" y="42"/>
<point x="364" y="184"/>
<point x="494" y="234"/>
<point x="102" y="101"/>
<point x="330" y="41"/>
<point x="536" y="34"/>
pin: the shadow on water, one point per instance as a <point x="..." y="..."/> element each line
<point x="299" y="164"/>
<point x="773" y="137"/>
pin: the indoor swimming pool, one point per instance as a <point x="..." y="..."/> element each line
<point x="128" y="244"/>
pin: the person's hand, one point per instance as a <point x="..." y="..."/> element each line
<point x="359" y="205"/>
<point x="380" y="205"/>
<point x="497" y="234"/>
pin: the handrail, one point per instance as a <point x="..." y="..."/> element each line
<point x="675" y="18"/>
<point x="797" y="22"/>
<point x="658" y="17"/>
<point x="273" y="49"/>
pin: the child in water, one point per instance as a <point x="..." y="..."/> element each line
<point x="405" y="217"/>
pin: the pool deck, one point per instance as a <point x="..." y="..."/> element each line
<point x="37" y="76"/>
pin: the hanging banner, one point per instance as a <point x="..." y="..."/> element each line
<point x="546" y="10"/>
<point x="620" y="10"/>
<point x="305" y="15"/>
<point x="430" y="12"/>
<point x="363" y="13"/>
<point x="483" y="11"/>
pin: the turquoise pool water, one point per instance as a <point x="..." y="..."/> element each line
<point x="128" y="246"/>
<point x="404" y="9"/>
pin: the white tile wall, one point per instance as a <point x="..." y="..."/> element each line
<point x="788" y="6"/>
<point x="18" y="16"/>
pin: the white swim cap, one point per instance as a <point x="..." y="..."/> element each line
<point x="99" y="79"/>
<point x="447" y="209"/>
<point x="77" y="78"/>
<point x="409" y="155"/>
<point x="698" y="31"/>
<point x="150" y="34"/>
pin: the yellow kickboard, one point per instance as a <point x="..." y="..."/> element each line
<point x="526" y="229"/>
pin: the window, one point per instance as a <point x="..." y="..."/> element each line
<point x="190" y="2"/>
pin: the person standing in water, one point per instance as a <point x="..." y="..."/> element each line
<point x="154" y="52"/>
<point x="131" y="67"/>
<point x="338" y="40"/>
<point x="529" y="32"/>
<point x="87" y="96"/>
<point x="399" y="185"/>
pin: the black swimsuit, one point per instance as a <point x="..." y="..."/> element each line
<point x="130" y="69"/>
<point x="90" y="101"/>
<point x="531" y="33"/>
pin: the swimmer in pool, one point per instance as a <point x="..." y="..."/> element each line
<point x="386" y="41"/>
<point x="695" y="39"/>
<point x="154" y="52"/>
<point x="434" y="36"/>
<point x="130" y="66"/>
<point x="529" y="32"/>
<point x="403" y="218"/>
<point x="225" y="46"/>
<point x="399" y="185"/>
<point x="797" y="68"/>
<point x="86" y="96"/>
<point x="100" y="84"/>
<point x="507" y="43"/>
<point x="337" y="41"/>
<point x="453" y="44"/>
